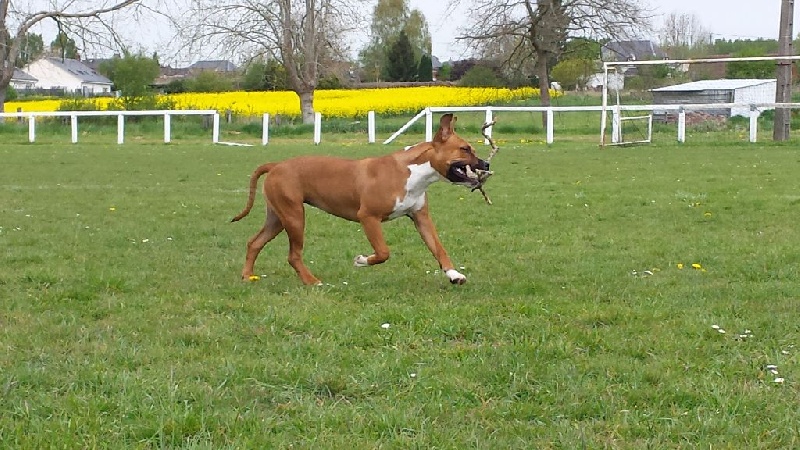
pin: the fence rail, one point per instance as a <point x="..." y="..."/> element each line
<point x="754" y="109"/>
<point x="74" y="115"/>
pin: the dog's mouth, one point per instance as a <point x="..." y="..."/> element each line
<point x="466" y="175"/>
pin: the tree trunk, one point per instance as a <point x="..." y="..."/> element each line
<point x="2" y="100"/>
<point x="543" y="74"/>
<point x="307" y="106"/>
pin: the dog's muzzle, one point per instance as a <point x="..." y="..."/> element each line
<point x="465" y="174"/>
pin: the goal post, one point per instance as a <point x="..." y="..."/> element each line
<point x="612" y="65"/>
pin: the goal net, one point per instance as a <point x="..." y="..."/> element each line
<point x="632" y="129"/>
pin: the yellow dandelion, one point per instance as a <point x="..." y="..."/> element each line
<point x="112" y="209"/>
<point x="254" y="277"/>
<point x="680" y="266"/>
<point x="696" y="266"/>
<point x="707" y="214"/>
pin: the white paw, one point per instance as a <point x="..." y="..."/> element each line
<point x="360" y="261"/>
<point x="455" y="276"/>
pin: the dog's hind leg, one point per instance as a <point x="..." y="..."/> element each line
<point x="293" y="221"/>
<point x="272" y="227"/>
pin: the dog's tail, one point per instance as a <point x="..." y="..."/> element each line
<point x="260" y="170"/>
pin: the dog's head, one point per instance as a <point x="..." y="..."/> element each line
<point x="455" y="159"/>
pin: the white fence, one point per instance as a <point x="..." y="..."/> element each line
<point x="617" y="110"/>
<point x="167" y="114"/>
<point x="74" y="115"/>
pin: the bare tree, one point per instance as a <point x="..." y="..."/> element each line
<point x="297" y="33"/>
<point x="86" y="18"/>
<point x="683" y="31"/>
<point x="539" y="28"/>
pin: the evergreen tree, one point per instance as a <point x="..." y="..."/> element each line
<point x="425" y="69"/>
<point x="390" y="17"/>
<point x="402" y="66"/>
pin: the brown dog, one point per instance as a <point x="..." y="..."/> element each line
<point x="369" y="191"/>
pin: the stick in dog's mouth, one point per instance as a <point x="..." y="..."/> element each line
<point x="481" y="176"/>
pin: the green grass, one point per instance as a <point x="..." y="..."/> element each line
<point x="123" y="322"/>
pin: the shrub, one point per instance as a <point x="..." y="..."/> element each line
<point x="11" y="94"/>
<point x="481" y="76"/>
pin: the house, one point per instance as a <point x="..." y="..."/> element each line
<point x="95" y="63"/>
<point x="213" y="66"/>
<point x="616" y="81"/>
<point x="637" y="50"/>
<point x="70" y="75"/>
<point x="745" y="91"/>
<point x="22" y="81"/>
<point x="640" y="50"/>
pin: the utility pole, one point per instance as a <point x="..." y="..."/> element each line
<point x="783" y="94"/>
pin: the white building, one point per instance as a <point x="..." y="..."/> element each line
<point x="746" y="91"/>
<point x="22" y="81"/>
<point x="616" y="81"/>
<point x="68" y="74"/>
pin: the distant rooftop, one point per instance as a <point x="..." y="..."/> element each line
<point x="80" y="70"/>
<point x="705" y="85"/>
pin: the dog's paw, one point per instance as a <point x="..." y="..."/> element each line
<point x="360" y="261"/>
<point x="456" y="277"/>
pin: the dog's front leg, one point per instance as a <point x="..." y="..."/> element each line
<point x="374" y="231"/>
<point x="424" y="223"/>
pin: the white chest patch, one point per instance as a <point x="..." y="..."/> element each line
<point x="422" y="176"/>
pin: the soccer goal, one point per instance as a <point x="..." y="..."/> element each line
<point x="630" y="130"/>
<point x="632" y="124"/>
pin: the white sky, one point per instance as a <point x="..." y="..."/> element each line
<point x="728" y="19"/>
<point x="724" y="18"/>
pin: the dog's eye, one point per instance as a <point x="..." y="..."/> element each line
<point x="466" y="149"/>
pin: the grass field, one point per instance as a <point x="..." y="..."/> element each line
<point x="123" y="322"/>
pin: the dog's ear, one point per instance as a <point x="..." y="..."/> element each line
<point x="446" y="125"/>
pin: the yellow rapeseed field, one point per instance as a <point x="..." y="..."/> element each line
<point x="331" y="103"/>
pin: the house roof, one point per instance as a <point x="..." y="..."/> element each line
<point x="80" y="70"/>
<point x="720" y="85"/>
<point x="636" y="50"/>
<point x="20" y="75"/>
<point x="94" y="63"/>
<point x="219" y="65"/>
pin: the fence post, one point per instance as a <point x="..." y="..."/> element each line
<point x="550" y="125"/>
<point x="120" y="129"/>
<point x="616" y="125"/>
<point x="371" y="127"/>
<point x="265" y="129"/>
<point x="215" y="130"/>
<point x="73" y="120"/>
<point x="428" y="125"/>
<point x="167" y="128"/>
<point x="317" y="128"/>
<point x="754" y="123"/>
<point x="681" y="125"/>
<point x="31" y="129"/>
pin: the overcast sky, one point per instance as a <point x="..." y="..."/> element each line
<point x="728" y="19"/>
